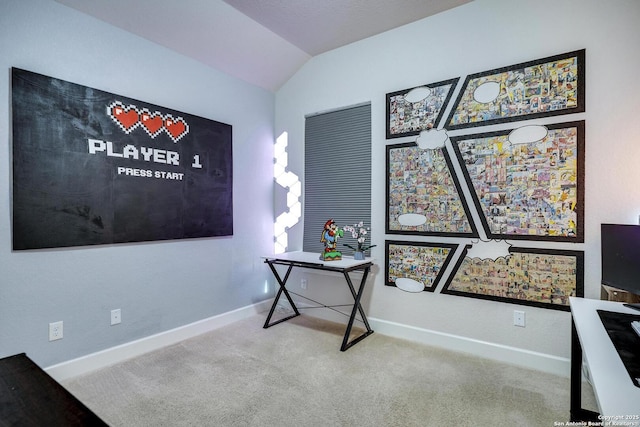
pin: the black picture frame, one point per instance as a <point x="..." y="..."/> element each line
<point x="423" y="116"/>
<point x="522" y="91"/>
<point x="485" y="274"/>
<point x="528" y="192"/>
<point x="409" y="176"/>
<point x="433" y="265"/>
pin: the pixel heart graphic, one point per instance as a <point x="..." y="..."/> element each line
<point x="176" y="128"/>
<point x="129" y="117"/>
<point x="151" y="122"/>
<point x="126" y="117"/>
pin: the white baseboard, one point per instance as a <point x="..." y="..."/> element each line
<point x="514" y="356"/>
<point x="85" y="364"/>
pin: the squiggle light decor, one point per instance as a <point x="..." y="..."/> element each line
<point x="290" y="181"/>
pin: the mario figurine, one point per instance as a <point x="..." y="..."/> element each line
<point x="329" y="237"/>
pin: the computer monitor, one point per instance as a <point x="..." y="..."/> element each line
<point x="621" y="257"/>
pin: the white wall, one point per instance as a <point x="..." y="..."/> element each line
<point x="480" y="36"/>
<point x="160" y="285"/>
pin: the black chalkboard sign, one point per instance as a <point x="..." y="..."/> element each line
<point x="91" y="167"/>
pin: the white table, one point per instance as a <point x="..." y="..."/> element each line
<point x="312" y="260"/>
<point x="615" y="392"/>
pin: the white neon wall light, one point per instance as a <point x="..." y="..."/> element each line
<point x="290" y="181"/>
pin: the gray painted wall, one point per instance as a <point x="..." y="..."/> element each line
<point x="158" y="286"/>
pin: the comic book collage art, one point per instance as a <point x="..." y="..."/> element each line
<point x="523" y="182"/>
<point x="415" y="266"/>
<point x="410" y="115"/>
<point x="421" y="186"/>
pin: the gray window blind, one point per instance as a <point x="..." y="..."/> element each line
<point x="337" y="177"/>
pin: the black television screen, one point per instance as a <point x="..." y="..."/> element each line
<point x="621" y="256"/>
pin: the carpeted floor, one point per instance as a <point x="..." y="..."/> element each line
<point x="293" y="374"/>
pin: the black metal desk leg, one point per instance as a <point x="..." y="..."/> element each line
<point x="282" y="283"/>
<point x="356" y="308"/>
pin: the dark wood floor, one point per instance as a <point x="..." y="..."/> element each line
<point x="30" y="397"/>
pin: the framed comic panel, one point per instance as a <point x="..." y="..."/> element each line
<point x="537" y="277"/>
<point x="423" y="194"/>
<point x="524" y="186"/>
<point x="545" y="87"/>
<point x="410" y="111"/>
<point x="416" y="266"/>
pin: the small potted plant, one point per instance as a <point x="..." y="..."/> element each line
<point x="359" y="232"/>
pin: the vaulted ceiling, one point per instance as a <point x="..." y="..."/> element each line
<point x="263" y="42"/>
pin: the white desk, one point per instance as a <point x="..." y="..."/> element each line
<point x="312" y="260"/>
<point x="615" y="392"/>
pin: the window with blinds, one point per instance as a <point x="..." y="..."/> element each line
<point x="337" y="178"/>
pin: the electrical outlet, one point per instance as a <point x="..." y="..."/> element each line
<point x="116" y="316"/>
<point x="518" y="318"/>
<point x="304" y="283"/>
<point x="55" y="331"/>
